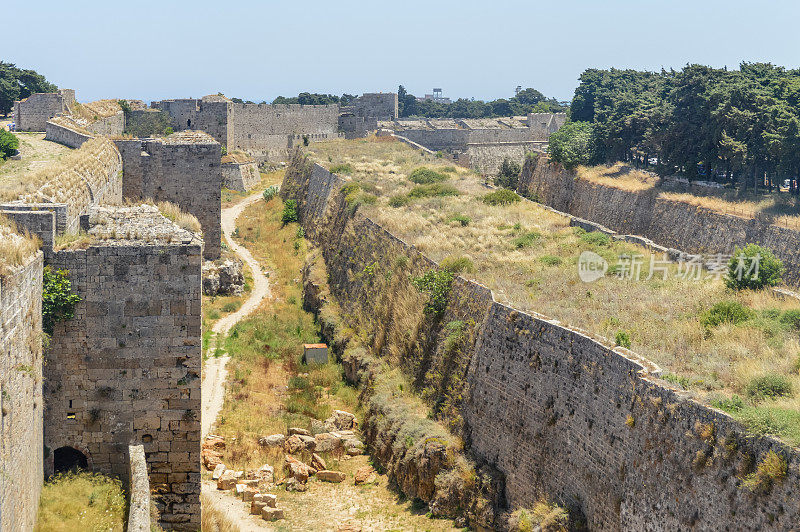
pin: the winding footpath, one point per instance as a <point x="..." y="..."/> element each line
<point x="215" y="371"/>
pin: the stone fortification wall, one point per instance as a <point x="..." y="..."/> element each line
<point x="108" y="126"/>
<point x="439" y="139"/>
<point x="240" y="176"/>
<point x="559" y="413"/>
<point x="37" y="219"/>
<point x="91" y="175"/>
<point x="378" y="105"/>
<point x="32" y="113"/>
<point x="545" y="124"/>
<point x="666" y="222"/>
<point x="126" y="369"/>
<point x="138" y="491"/>
<point x="64" y="133"/>
<point x="183" y="168"/>
<point x="146" y="122"/>
<point x="21" y="406"/>
<point x="487" y="158"/>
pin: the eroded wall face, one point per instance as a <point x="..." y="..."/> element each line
<point x="560" y="414"/>
<point x="21" y="451"/>
<point x="33" y="113"/>
<point x="126" y="369"/>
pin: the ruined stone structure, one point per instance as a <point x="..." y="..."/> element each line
<point x="126" y="369"/>
<point x="562" y="414"/>
<point x="377" y="105"/>
<point x="481" y="144"/>
<point x="32" y="113"/>
<point x="264" y="130"/>
<point x="670" y="223"/>
<point x="176" y="169"/>
<point x="20" y="394"/>
<point x="239" y="172"/>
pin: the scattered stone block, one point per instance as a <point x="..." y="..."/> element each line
<point x="271" y="514"/>
<point x="256" y="507"/>
<point x="240" y="489"/>
<point x="331" y="476"/>
<point x="317" y="462"/>
<point x="299" y="431"/>
<point x="227" y="480"/>
<point x="293" y="444"/>
<point x="341" y="420"/>
<point x="327" y="443"/>
<point x="275" y="440"/>
<point x="249" y="493"/>
<point x="218" y="471"/>
<point x="292" y="484"/>
<point x="364" y="474"/>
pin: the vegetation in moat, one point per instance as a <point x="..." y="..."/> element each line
<point x="739" y="127"/>
<point x="58" y="299"/>
<point x="714" y="340"/>
<point x="81" y="501"/>
<point x="9" y="143"/>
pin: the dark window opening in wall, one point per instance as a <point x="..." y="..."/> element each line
<point x="189" y="122"/>
<point x="68" y="459"/>
<point x="70" y="403"/>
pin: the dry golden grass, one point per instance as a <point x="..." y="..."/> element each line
<point x="618" y="175"/>
<point x="782" y="209"/>
<point x="81" y="501"/>
<point x="64" y="180"/>
<point x="661" y="316"/>
<point x="213" y="520"/>
<point x="35" y="153"/>
<point x="15" y="248"/>
<point x="180" y="218"/>
<point x="96" y="110"/>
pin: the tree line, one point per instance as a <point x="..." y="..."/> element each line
<point x="739" y="127"/>
<point x="524" y="102"/>
<point x="18" y="83"/>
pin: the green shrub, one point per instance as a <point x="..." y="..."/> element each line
<point x="679" y="380"/>
<point x="623" y="338"/>
<point x="168" y="131"/>
<point x="289" y="213"/>
<point x="433" y="190"/>
<point x="399" y="200"/>
<point x="733" y="404"/>
<point x="596" y="238"/>
<point x="224" y="150"/>
<point x="770" y="471"/>
<point x="731" y="312"/>
<point x="573" y="144"/>
<point x="458" y="264"/>
<point x="462" y="219"/>
<point x="233" y="306"/>
<point x="753" y="267"/>
<point x="449" y="169"/>
<point x="771" y="386"/>
<point x="550" y="260"/>
<point x="58" y="301"/>
<point x="344" y="168"/>
<point x="270" y="192"/>
<point x="437" y="284"/>
<point x="791" y="318"/>
<point x="9" y="143"/>
<point x="526" y="240"/>
<point x="426" y="176"/>
<point x="502" y="196"/>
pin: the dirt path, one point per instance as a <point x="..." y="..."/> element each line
<point x="215" y="372"/>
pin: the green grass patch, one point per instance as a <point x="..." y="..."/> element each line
<point x="433" y="190"/>
<point x="461" y="219"/>
<point x="426" y="176"/>
<point x="81" y="501"/>
<point x="526" y="240"/>
<point x="344" y="168"/>
<point x="596" y="238"/>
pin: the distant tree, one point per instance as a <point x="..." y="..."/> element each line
<point x="17" y="84"/>
<point x="573" y="144"/>
<point x="346" y="99"/>
<point x="509" y="174"/>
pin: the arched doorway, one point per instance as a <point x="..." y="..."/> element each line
<point x="69" y="459"/>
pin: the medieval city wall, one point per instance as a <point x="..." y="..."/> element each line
<point x="108" y="126"/>
<point x="270" y="129"/>
<point x="21" y="452"/>
<point x="146" y="122"/>
<point x="173" y="169"/>
<point x="32" y="113"/>
<point x="670" y="223"/>
<point x="240" y="176"/>
<point x="378" y="105"/>
<point x="126" y="369"/>
<point x="562" y="414"/>
<point x="66" y="135"/>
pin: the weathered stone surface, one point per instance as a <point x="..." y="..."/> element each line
<point x="331" y="476"/>
<point x="218" y="471"/>
<point x="292" y="484"/>
<point x="327" y="442"/>
<point x="299" y="431"/>
<point x="223" y="277"/>
<point x="297" y="469"/>
<point x="271" y="514"/>
<point x="227" y="480"/>
<point x="248" y="493"/>
<point x="293" y="444"/>
<point x="256" y="507"/>
<point x="364" y="474"/>
<point x="341" y="420"/>
<point x="275" y="440"/>
<point x="317" y="462"/>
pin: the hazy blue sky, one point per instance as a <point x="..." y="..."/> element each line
<point x="259" y="50"/>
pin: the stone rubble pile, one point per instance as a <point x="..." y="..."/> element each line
<point x="252" y="486"/>
<point x="223" y="277"/>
